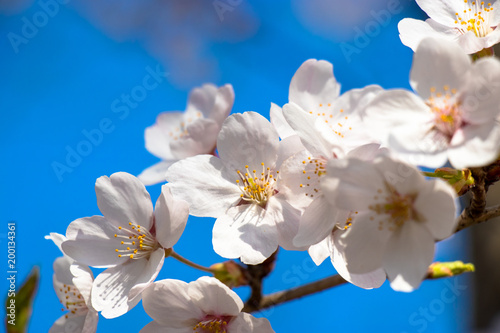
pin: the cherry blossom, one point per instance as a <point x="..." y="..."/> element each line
<point x="177" y="135"/>
<point x="398" y="217"/>
<point x="202" y="306"/>
<point x="242" y="189"/>
<point x="72" y="284"/>
<point x="471" y="24"/>
<point x="454" y="116"/>
<point x="129" y="240"/>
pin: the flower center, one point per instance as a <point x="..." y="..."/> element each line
<point x="336" y="121"/>
<point x="314" y="168"/>
<point x="212" y="324"/>
<point x="395" y="209"/>
<point x="136" y="242"/>
<point x="475" y="18"/>
<point x="448" y="118"/>
<point x="72" y="300"/>
<point x="257" y="188"/>
<point x="180" y="131"/>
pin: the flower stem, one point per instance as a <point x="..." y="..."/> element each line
<point x="180" y="258"/>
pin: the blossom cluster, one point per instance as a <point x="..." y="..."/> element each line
<point x="332" y="174"/>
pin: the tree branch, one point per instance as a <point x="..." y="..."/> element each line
<point x="291" y="294"/>
<point x="465" y="220"/>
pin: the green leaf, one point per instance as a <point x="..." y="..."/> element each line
<point x="19" y="303"/>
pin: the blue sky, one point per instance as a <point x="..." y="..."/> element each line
<point x="70" y="78"/>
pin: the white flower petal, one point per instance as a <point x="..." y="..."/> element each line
<point x="248" y="139"/>
<point x="91" y="320"/>
<point x="436" y="203"/>
<point x="58" y="239"/>
<point x="366" y="281"/>
<point x="408" y="254"/>
<point x="313" y="84"/>
<point x="351" y="183"/>
<point x="480" y="99"/>
<point x="170" y="218"/>
<point x="155" y="327"/>
<point x="118" y="289"/>
<point x="305" y="126"/>
<point x="83" y="278"/>
<point x="246" y="323"/>
<point x="403" y="177"/>
<point x="475" y="146"/>
<point x="62" y="274"/>
<point x="443" y="11"/>
<point x="213" y="297"/>
<point x="199" y="181"/>
<point x="470" y="43"/>
<point x="247" y="232"/>
<point x="364" y="245"/>
<point x="438" y="63"/>
<point x="159" y="135"/>
<point x="156" y="173"/>
<point x="91" y="241"/>
<point x="316" y="223"/>
<point x="122" y="198"/>
<point x="288" y="224"/>
<point x="280" y="124"/>
<point x="412" y="31"/>
<point x="320" y="251"/>
<point x="70" y="324"/>
<point x="168" y="303"/>
<point x="287" y="148"/>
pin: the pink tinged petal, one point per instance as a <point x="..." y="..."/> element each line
<point x="213" y="297"/>
<point x="408" y="254"/>
<point x="156" y="173"/>
<point x="316" y="223"/>
<point x="247" y="232"/>
<point x="351" y="184"/>
<point x="442" y="11"/>
<point x="170" y="218"/>
<point x="475" y="146"/>
<point x="82" y="280"/>
<point x="246" y="323"/>
<point x="58" y="239"/>
<point x="199" y="181"/>
<point x="366" y="281"/>
<point x="280" y="124"/>
<point x="288" y="226"/>
<point x="248" y="139"/>
<point x="154" y="327"/>
<point x="305" y="126"/>
<point x="436" y="64"/>
<point x="313" y="84"/>
<point x="480" y="99"/>
<point x="122" y="198"/>
<point x="364" y="244"/>
<point x="436" y="204"/>
<point x="118" y="289"/>
<point x="71" y="324"/>
<point x="159" y="136"/>
<point x="91" y="241"/>
<point x="200" y="139"/>
<point x="320" y="251"/>
<point x="412" y="32"/>
<point x="169" y="304"/>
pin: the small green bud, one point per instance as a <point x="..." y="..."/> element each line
<point x="447" y="269"/>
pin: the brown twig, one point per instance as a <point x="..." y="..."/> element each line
<point x="295" y="293"/>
